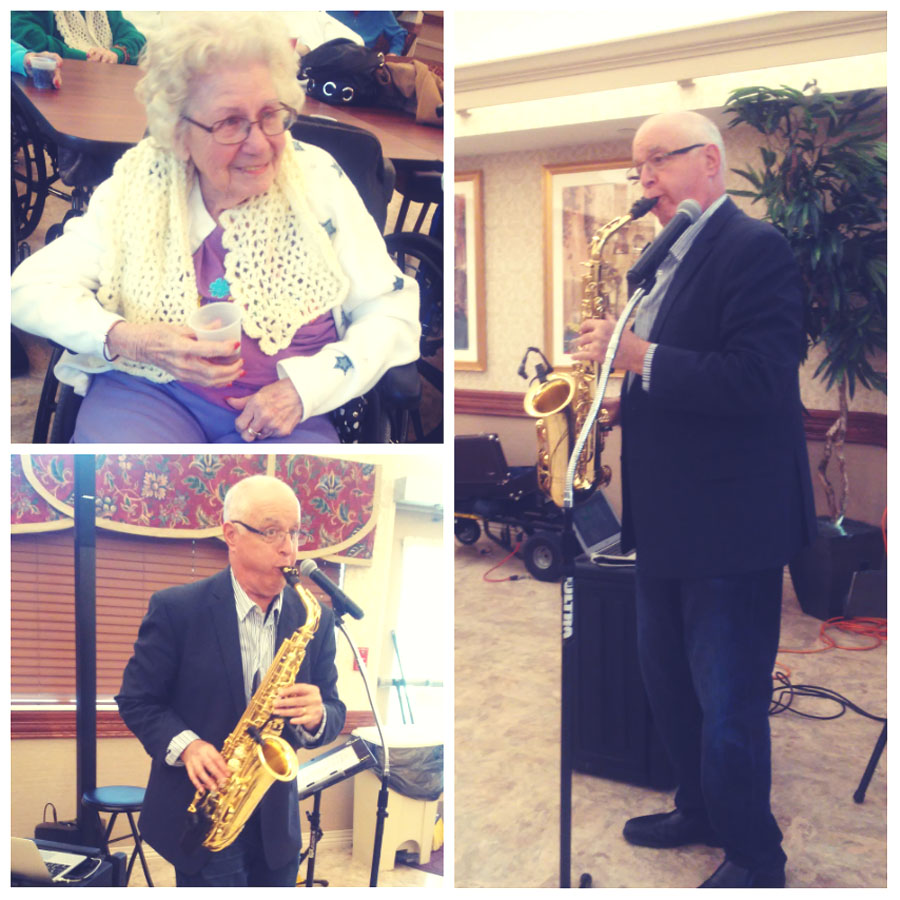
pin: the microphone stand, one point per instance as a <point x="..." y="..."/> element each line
<point x="569" y="620"/>
<point x="339" y="613"/>
<point x="315" y="835"/>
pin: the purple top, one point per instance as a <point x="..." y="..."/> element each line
<point x="259" y="368"/>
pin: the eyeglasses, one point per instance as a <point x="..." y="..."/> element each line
<point x="657" y="161"/>
<point x="274" y="535"/>
<point x="236" y="129"/>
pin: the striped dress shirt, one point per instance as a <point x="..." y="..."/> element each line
<point x="256" y="632"/>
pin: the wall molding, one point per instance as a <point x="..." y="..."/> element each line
<point x="60" y="723"/>
<point x="863" y="427"/>
<point x="689" y="52"/>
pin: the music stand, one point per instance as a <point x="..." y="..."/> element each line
<point x="322" y="772"/>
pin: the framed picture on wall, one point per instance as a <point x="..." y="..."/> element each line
<point x="579" y="199"/>
<point x="468" y="274"/>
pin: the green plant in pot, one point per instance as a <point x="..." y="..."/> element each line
<point x="823" y="181"/>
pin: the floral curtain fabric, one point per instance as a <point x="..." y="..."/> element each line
<point x="181" y="496"/>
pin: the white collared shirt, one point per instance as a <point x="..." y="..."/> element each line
<point x="649" y="305"/>
<point x="257" y="632"/>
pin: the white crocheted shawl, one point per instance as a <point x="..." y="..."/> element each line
<point x="279" y="261"/>
<point x="81" y="32"/>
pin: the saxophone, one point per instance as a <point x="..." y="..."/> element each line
<point x="255" y="752"/>
<point x="560" y="401"/>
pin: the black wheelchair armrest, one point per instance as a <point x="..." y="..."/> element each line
<point x="400" y="387"/>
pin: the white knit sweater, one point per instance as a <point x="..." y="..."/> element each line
<point x="305" y="247"/>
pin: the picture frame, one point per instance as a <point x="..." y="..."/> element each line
<point x="579" y="199"/>
<point x="470" y="339"/>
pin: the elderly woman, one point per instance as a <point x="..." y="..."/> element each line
<point x="219" y="204"/>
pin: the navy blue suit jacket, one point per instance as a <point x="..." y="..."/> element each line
<point x="186" y="673"/>
<point x="714" y="465"/>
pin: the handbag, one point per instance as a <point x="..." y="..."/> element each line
<point x="62" y="832"/>
<point x="342" y="72"/>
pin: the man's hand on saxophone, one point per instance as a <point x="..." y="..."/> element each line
<point x="205" y="766"/>
<point x="301" y="704"/>
<point x="594" y="339"/>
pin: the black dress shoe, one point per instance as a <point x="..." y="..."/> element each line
<point x="730" y="875"/>
<point x="672" y="829"/>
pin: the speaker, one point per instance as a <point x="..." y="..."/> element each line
<point x="614" y="735"/>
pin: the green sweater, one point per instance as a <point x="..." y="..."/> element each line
<point x="37" y="31"/>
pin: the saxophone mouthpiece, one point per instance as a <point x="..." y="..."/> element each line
<point x="642" y="207"/>
<point x="291" y="575"/>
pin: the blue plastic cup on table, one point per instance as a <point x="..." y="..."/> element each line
<point x="43" y="70"/>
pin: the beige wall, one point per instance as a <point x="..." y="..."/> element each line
<point x="867" y="465"/>
<point x="514" y="285"/>
<point x="514" y="258"/>
<point x="44" y="771"/>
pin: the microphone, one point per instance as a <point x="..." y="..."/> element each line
<point x="687" y="213"/>
<point x="344" y="604"/>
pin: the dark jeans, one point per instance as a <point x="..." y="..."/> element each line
<point x="707" y="648"/>
<point x="241" y="864"/>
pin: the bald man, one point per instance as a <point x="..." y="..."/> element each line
<point x="201" y="651"/>
<point x="717" y="495"/>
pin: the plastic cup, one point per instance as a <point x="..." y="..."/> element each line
<point x="43" y="69"/>
<point x="218" y="322"/>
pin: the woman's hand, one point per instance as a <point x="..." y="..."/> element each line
<point x="175" y="349"/>
<point x="57" y="78"/>
<point x="274" y="410"/>
<point x="98" y="54"/>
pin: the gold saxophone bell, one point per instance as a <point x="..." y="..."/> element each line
<point x="561" y="401"/>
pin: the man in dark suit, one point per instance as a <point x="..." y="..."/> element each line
<point x="716" y="495"/>
<point x="201" y="651"/>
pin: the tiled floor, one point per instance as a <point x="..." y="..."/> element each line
<point x="507" y="694"/>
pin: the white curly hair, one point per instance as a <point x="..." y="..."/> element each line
<point x="187" y="47"/>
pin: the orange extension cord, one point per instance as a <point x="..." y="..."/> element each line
<point x="512" y="553"/>
<point x="873" y="628"/>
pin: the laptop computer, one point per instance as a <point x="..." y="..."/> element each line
<point x="29" y="862"/>
<point x="599" y="532"/>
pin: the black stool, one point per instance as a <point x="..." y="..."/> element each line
<point x="115" y="799"/>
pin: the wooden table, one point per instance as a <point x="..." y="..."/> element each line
<point x="96" y="109"/>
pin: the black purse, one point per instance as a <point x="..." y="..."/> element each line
<point x="65" y="832"/>
<point x="342" y="72"/>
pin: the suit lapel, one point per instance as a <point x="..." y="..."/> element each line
<point x="700" y="250"/>
<point x="225" y="625"/>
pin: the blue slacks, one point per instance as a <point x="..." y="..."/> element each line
<point x="242" y="864"/>
<point x="123" y="408"/>
<point x="707" y="648"/>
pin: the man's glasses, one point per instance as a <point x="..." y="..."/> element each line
<point x="236" y="129"/>
<point x="274" y="535"/>
<point x="657" y="161"/>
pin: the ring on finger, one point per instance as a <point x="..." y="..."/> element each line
<point x="253" y="433"/>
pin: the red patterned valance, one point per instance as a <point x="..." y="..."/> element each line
<point x="181" y="496"/>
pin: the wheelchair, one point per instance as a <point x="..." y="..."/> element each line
<point x="388" y="412"/>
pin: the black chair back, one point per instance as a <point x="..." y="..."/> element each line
<point x="358" y="153"/>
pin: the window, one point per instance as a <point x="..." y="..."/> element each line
<point x="420" y="635"/>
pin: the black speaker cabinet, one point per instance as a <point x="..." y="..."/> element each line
<point x="614" y="732"/>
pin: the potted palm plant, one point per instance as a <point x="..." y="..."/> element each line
<point x="823" y="180"/>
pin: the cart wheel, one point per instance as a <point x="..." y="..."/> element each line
<point x="542" y="555"/>
<point x="467" y="531"/>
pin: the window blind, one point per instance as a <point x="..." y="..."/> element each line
<point x="129" y="569"/>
